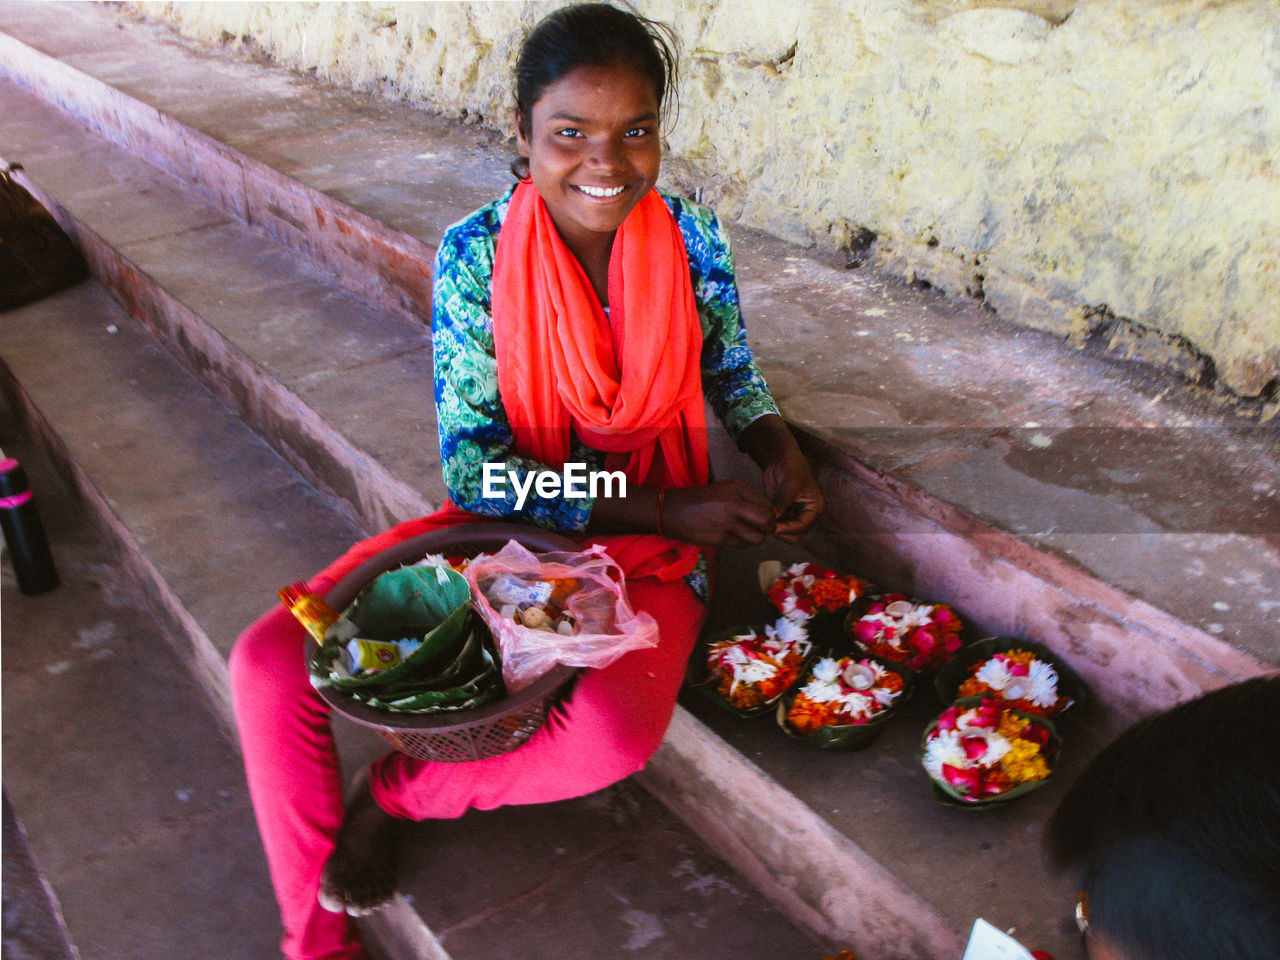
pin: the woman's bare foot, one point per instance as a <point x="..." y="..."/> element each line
<point x="360" y="875"/>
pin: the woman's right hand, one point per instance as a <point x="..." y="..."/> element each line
<point x="727" y="513"/>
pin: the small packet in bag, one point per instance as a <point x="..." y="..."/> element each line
<point x="556" y="608"/>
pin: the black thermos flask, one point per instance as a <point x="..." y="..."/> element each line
<point x="23" y="532"/>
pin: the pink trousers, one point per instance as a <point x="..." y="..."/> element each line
<point x="614" y="721"/>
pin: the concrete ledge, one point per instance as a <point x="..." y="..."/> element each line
<point x="33" y="923"/>
<point x="370" y="493"/>
<point x="378" y="263"/>
<point x="207" y="666"/>
<point x="1137" y="657"/>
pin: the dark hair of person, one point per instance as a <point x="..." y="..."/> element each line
<point x="592" y="35"/>
<point x="1174" y="830"/>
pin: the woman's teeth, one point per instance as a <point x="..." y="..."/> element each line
<point x="601" y="192"/>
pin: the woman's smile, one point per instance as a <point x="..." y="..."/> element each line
<point x="601" y="193"/>
<point x="594" y="152"/>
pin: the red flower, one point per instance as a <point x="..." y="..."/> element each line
<point x="987" y="713"/>
<point x="974" y="747"/>
<point x="1036" y="734"/>
<point x="967" y="782"/>
<point x="865" y="631"/>
<point x="948" y="719"/>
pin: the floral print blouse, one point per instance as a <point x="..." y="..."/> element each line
<point x="474" y="429"/>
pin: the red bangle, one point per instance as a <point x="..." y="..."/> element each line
<point x="662" y="496"/>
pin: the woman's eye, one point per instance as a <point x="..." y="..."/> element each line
<point x="569" y="132"/>
<point x="639" y="132"/>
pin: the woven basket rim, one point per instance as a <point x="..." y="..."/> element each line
<point x="467" y="540"/>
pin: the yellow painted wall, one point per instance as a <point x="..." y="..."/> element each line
<point x="1070" y="161"/>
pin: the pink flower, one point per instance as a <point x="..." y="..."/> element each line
<point x="865" y="631"/>
<point x="968" y="782"/>
<point x="941" y="615"/>
<point x="987" y="713"/>
<point x="923" y="640"/>
<point x="947" y="721"/>
<point x="974" y="747"/>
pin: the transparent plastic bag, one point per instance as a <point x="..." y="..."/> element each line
<point x="584" y="589"/>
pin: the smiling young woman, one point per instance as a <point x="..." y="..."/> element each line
<point x="582" y="322"/>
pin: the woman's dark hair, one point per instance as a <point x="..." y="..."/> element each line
<point x="593" y="35"/>
<point x="1174" y="830"/>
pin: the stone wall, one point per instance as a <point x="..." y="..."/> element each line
<point x="1098" y="168"/>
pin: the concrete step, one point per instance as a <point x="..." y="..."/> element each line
<point x="170" y="534"/>
<point x="899" y="493"/>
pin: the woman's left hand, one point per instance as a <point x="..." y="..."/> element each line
<point x="788" y="479"/>
<point x="796" y="497"/>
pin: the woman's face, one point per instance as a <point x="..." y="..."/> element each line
<point x="593" y="149"/>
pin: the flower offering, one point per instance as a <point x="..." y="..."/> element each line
<point x="1020" y="679"/>
<point x="920" y="636"/>
<point x="803" y="589"/>
<point x="751" y="669"/>
<point x="842" y="692"/>
<point x="985" y="751"/>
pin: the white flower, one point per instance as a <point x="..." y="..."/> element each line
<point x="745" y="668"/>
<point x="885" y="697"/>
<point x="920" y="615"/>
<point x="857" y="704"/>
<point x="791" y="633"/>
<point x="790" y="610"/>
<point x="827" y="669"/>
<point x="825" y="684"/>
<point x="944" y="748"/>
<point x="1043" y="680"/>
<point x="995" y="673"/>
<point x="1039" y="685"/>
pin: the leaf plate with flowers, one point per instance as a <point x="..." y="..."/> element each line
<point x="747" y="669"/>
<point x="920" y="636"/>
<point x="804" y="589"/>
<point x="1025" y="675"/>
<point x="979" y="751"/>
<point x="841" y="703"/>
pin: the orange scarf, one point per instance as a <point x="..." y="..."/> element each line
<point x="629" y="384"/>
